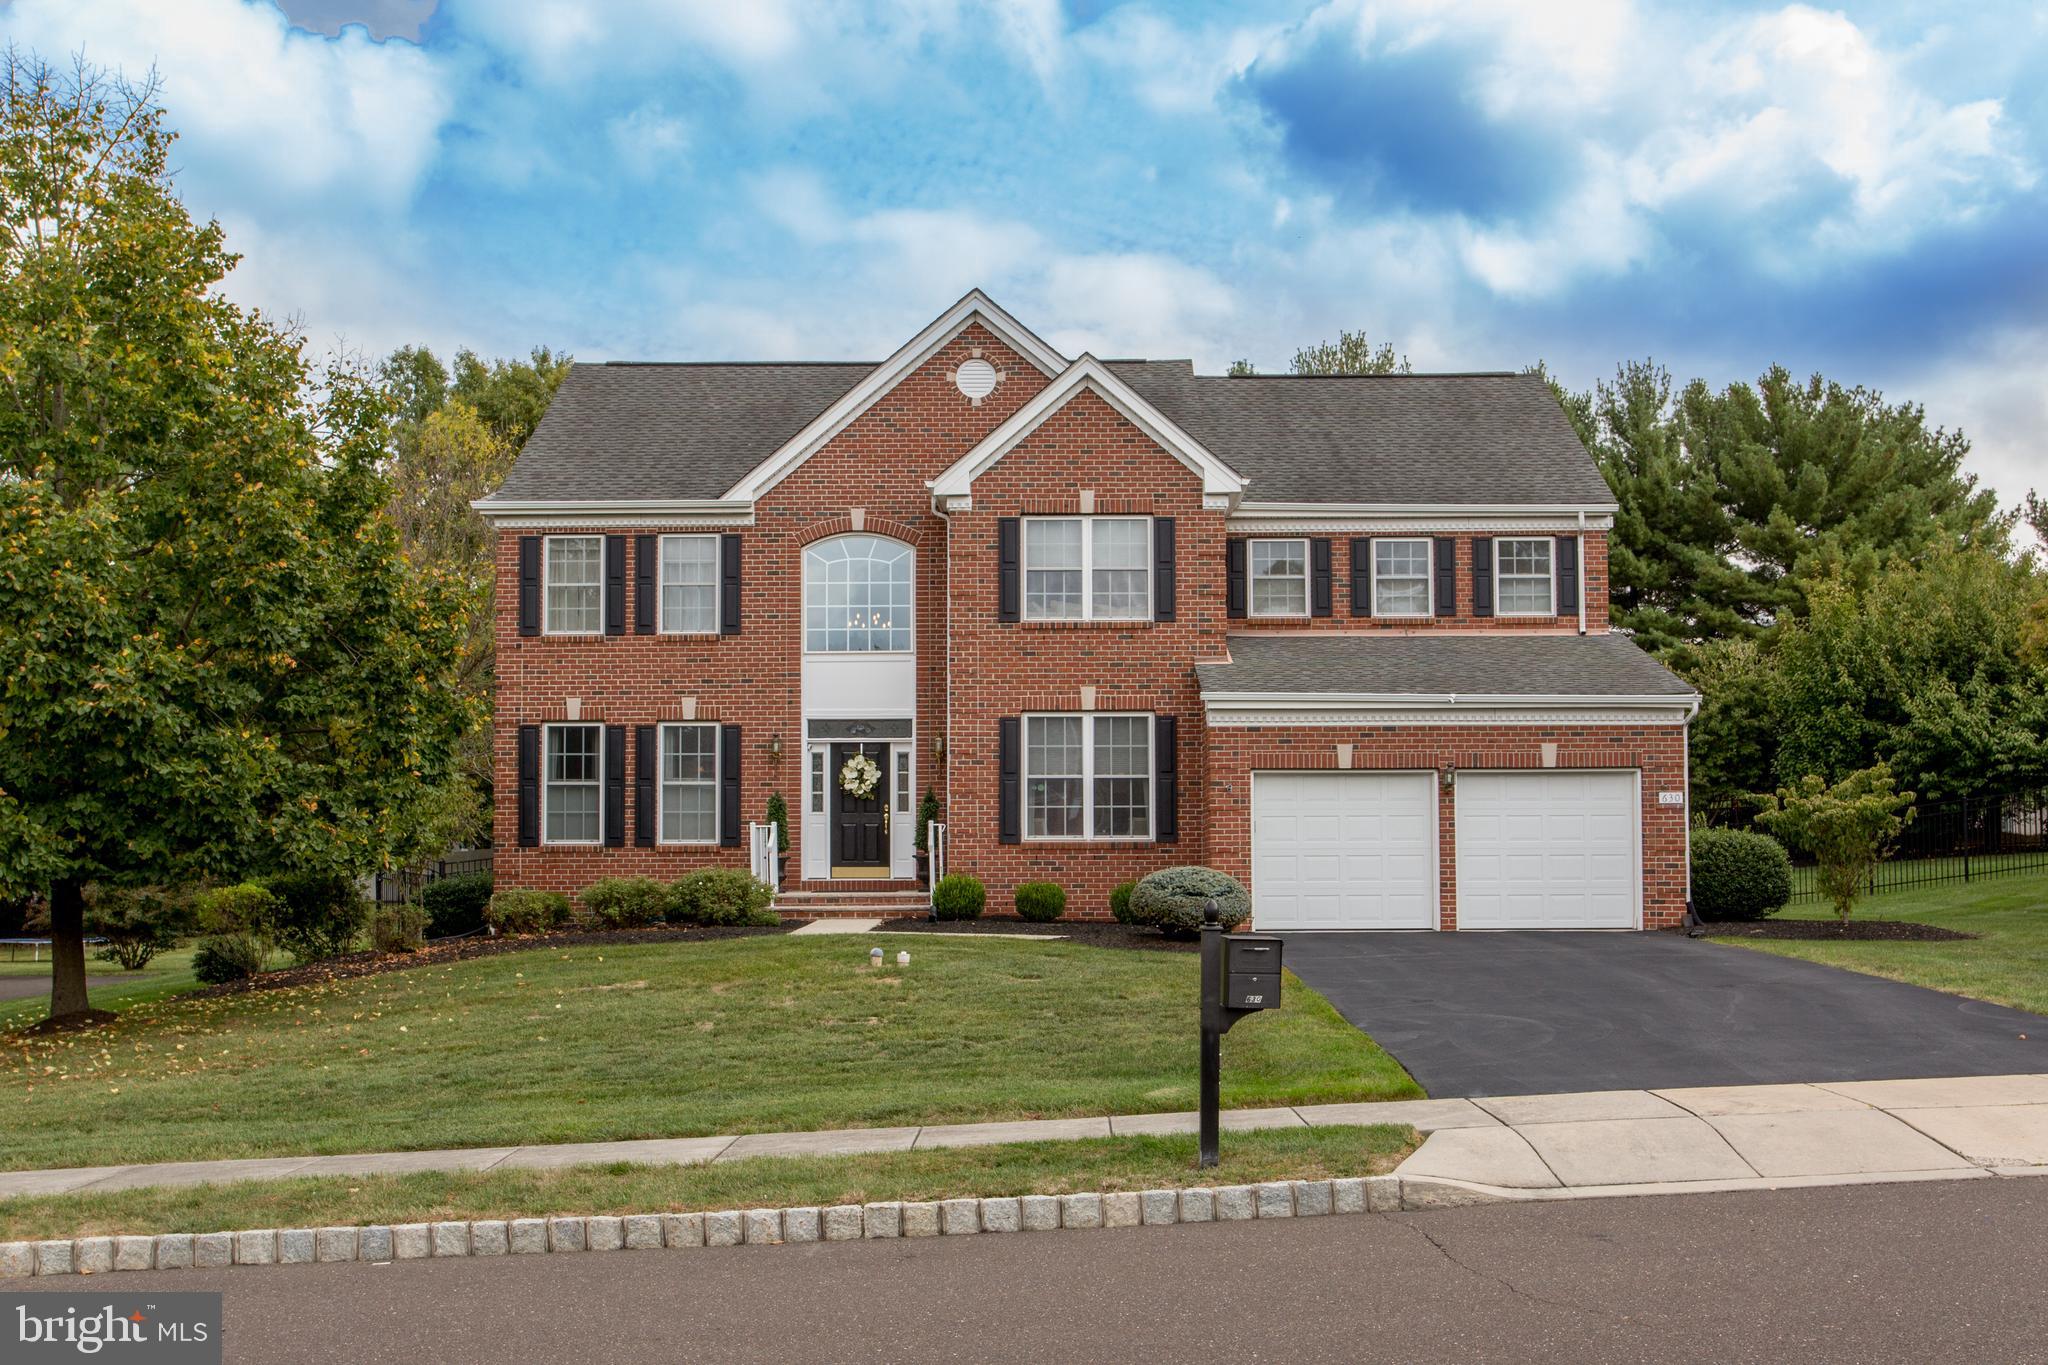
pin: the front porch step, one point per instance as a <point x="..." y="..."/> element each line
<point x="809" y="904"/>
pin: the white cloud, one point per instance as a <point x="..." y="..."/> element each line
<point x="1174" y="70"/>
<point x="648" y="140"/>
<point x="1996" y="392"/>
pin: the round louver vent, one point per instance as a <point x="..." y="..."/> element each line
<point x="976" y="378"/>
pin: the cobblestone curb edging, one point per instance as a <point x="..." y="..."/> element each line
<point x="681" y="1231"/>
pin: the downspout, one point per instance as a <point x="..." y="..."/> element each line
<point x="947" y="737"/>
<point x="1582" y="570"/>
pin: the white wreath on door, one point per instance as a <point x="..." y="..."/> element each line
<point x="859" y="777"/>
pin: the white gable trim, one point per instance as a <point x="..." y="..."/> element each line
<point x="975" y="307"/>
<point x="1218" y="478"/>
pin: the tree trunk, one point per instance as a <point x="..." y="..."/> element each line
<point x="67" y="950"/>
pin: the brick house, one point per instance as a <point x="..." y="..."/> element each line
<point x="1344" y="638"/>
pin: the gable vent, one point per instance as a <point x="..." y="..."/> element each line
<point x="976" y="379"/>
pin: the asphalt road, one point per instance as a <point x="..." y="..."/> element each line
<point x="1954" y="1270"/>
<point x="22" y="987"/>
<point x="1544" y="1013"/>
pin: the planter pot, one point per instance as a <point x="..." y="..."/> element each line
<point x="924" y="869"/>
<point x="782" y="869"/>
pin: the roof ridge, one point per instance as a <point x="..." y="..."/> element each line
<point x="733" y="364"/>
<point x="1417" y="374"/>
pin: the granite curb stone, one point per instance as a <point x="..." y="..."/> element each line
<point x="643" y="1231"/>
<point x="489" y="1237"/>
<point x="882" y="1220"/>
<point x="920" y="1219"/>
<point x="93" y="1255"/>
<point x="527" y="1236"/>
<point x="801" y="1224"/>
<point x="843" y="1223"/>
<point x="604" y="1234"/>
<point x="295" y="1246"/>
<point x="133" y="1253"/>
<point x="1040" y="1212"/>
<point x="1002" y="1215"/>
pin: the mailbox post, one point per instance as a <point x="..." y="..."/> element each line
<point x="1240" y="976"/>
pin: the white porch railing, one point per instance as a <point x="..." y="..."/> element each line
<point x="935" y="848"/>
<point x="761" y="854"/>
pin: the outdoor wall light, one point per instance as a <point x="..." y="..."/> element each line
<point x="1450" y="775"/>
<point x="775" y="746"/>
<point x="938" y="746"/>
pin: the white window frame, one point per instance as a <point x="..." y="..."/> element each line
<point x="1088" y="612"/>
<point x="547" y="783"/>
<point x="1428" y="576"/>
<point x="661" y="586"/>
<point x="804" y="601"/>
<point x="1088" y="834"/>
<point x="661" y="783"/>
<point x="818" y="781"/>
<point x="547" y="561"/>
<point x="1252" y="579"/>
<point x="1550" y="574"/>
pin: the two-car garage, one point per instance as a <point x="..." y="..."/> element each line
<point x="1535" y="849"/>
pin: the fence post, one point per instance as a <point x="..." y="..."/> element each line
<point x="1966" y="840"/>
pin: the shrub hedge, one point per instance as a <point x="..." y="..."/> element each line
<point x="958" y="896"/>
<point x="455" y="905"/>
<point x="1174" y="899"/>
<point x="315" y="915"/>
<point x="626" y="902"/>
<point x="1120" y="902"/>
<point x="1738" y="875"/>
<point x="722" y="896"/>
<point x="398" y="929"/>
<point x="227" y="957"/>
<point x="1041" y="902"/>
<point x="524" y="911"/>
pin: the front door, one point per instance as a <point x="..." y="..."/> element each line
<point x="860" y="824"/>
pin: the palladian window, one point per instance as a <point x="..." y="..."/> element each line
<point x="857" y="596"/>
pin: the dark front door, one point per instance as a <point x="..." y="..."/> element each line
<point x="860" y="824"/>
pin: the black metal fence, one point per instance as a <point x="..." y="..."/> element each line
<point x="1952" y="841"/>
<point x="403" y="886"/>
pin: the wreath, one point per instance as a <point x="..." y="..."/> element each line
<point x="859" y="777"/>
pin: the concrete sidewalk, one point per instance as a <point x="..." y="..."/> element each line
<point x="1529" y="1146"/>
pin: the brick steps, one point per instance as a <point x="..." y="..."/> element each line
<point x="883" y="904"/>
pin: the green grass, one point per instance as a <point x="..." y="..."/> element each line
<point x="2007" y="964"/>
<point x="169" y="973"/>
<point x="1133" y="1163"/>
<point x="661" y="1040"/>
<point x="1806" y="877"/>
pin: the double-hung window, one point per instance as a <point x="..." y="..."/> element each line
<point x="1087" y="568"/>
<point x="574" y="574"/>
<point x="1088" y="777"/>
<point x="1400" y="578"/>
<point x="689" y="585"/>
<point x="571" y="793"/>
<point x="1279" y="572"/>
<point x="689" y="784"/>
<point x="1521" y="571"/>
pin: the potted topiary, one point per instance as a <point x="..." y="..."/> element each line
<point x="778" y="816"/>
<point x="927" y="811"/>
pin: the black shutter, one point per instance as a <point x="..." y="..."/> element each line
<point x="1482" y="576"/>
<point x="729" y="786"/>
<point x="645" y="604"/>
<point x="1446" y="552"/>
<point x="646" y="807"/>
<point x="1010" y="801"/>
<point x="1009" y="568"/>
<point x="1233" y="561"/>
<point x="529" y="785"/>
<point x="529" y="585"/>
<point x="614" y="786"/>
<point x="1361" y="576"/>
<point x="615" y="585"/>
<point x="1567" y="561"/>
<point x="1162" y="569"/>
<point x="728" y="585"/>
<point x="1166" y="779"/>
<point x="1319" y="577"/>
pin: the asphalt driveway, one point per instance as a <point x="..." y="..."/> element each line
<point x="1534" y="1013"/>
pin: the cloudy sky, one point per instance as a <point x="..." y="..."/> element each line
<point x="1485" y="183"/>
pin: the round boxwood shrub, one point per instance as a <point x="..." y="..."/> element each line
<point x="398" y="929"/>
<point x="246" y="908"/>
<point x="520" y="911"/>
<point x="1041" y="902"/>
<point x="626" y="902"/>
<point x="722" y="896"/>
<point x="1120" y="902"/>
<point x="958" y="896"/>
<point x="227" y="957"/>
<point x="455" y="905"/>
<point x="1174" y="899"/>
<point x="1738" y="875"/>
<point x="316" y="914"/>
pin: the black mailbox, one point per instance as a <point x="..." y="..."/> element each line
<point x="1240" y="976"/>
<point x="1251" y="972"/>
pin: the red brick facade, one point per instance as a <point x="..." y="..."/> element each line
<point x="973" y="669"/>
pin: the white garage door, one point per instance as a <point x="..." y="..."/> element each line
<point x="1547" y="850"/>
<point x="1344" y="850"/>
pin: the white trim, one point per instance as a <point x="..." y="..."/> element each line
<point x="547" y="559"/>
<point x="1549" y="574"/>
<point x="661" y="838"/>
<point x="615" y="512"/>
<point x="1251" y="580"/>
<point x="1334" y="718"/>
<point x="974" y="306"/>
<point x="1636" y="824"/>
<point x="1087" y="777"/>
<point x="1250" y="518"/>
<point x="546" y="731"/>
<point x="804" y="605"/>
<point x="1088" y="373"/>
<point x="1372" y="578"/>
<point x="1087" y="523"/>
<point x="661" y="585"/>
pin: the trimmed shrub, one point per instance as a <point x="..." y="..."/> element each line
<point x="517" y="910"/>
<point x="1120" y="903"/>
<point x="722" y="896"/>
<point x="1041" y="902"/>
<point x="455" y="905"/>
<point x="778" y="815"/>
<point x="958" y="896"/>
<point x="1173" y="900"/>
<point x="626" y="902"/>
<point x="227" y="957"/>
<point x="137" y="924"/>
<point x="315" y="915"/>
<point x="1737" y="875"/>
<point x="399" y="929"/>
<point x="246" y="908"/>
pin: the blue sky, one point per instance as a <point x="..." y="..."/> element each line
<point x="1719" y="187"/>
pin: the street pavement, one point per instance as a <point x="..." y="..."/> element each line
<point x="1927" y="1272"/>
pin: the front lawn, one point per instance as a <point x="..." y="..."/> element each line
<point x="662" y="1040"/>
<point x="2007" y="964"/>
<point x="1130" y="1163"/>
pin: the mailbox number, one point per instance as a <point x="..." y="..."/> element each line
<point x="1255" y="1000"/>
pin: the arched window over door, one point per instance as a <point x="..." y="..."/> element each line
<point x="857" y="596"/>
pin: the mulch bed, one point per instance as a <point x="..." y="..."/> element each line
<point x="1093" y="933"/>
<point x="477" y="945"/>
<point x="1856" y="931"/>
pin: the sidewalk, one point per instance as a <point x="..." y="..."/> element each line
<point x="1516" y="1147"/>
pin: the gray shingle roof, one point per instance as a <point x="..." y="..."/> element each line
<point x="1436" y="664"/>
<point x="668" y="431"/>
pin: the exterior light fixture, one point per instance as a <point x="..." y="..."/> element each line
<point x="938" y="746"/>
<point x="1450" y="775"/>
<point x="775" y="746"/>
<point x="875" y="956"/>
